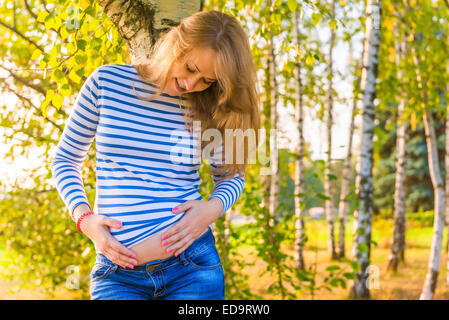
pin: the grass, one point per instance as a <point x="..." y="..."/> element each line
<point x="405" y="285"/>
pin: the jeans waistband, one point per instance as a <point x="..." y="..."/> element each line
<point x="205" y="239"/>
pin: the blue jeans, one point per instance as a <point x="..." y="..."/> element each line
<point x="196" y="274"/>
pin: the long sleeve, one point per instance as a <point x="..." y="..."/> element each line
<point x="74" y="144"/>
<point x="227" y="190"/>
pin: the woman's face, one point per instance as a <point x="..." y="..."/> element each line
<point x="192" y="74"/>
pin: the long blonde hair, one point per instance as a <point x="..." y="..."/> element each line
<point x="232" y="102"/>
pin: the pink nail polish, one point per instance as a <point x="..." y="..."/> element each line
<point x="175" y="209"/>
<point x="164" y="237"/>
<point x="164" y="243"/>
<point x="169" y="250"/>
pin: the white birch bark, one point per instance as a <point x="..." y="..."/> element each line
<point x="346" y="179"/>
<point x="364" y="183"/>
<point x="140" y="22"/>
<point x="438" y="188"/>
<point x="346" y="174"/>
<point x="398" y="245"/>
<point x="438" y="224"/>
<point x="299" y="163"/>
<point x="329" y="204"/>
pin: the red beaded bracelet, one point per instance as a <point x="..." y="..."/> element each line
<point x="78" y="223"/>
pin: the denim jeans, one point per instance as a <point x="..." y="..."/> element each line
<point x="196" y="274"/>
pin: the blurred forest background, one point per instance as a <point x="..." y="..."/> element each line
<point x="356" y="205"/>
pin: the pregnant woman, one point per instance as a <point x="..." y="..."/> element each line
<point x="150" y="227"/>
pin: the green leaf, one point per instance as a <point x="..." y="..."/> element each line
<point x="292" y="5"/>
<point x="333" y="268"/>
<point x="323" y="196"/>
<point x="42" y="16"/>
<point x="66" y="90"/>
<point x="81" y="59"/>
<point x="316" y="17"/>
<point x="57" y="100"/>
<point x="57" y="75"/>
<point x="36" y="54"/>
<point x="350" y="275"/>
<point x="81" y="44"/>
<point x="74" y="76"/>
<point x="333" y="24"/>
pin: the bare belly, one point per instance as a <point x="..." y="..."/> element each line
<point x="151" y="249"/>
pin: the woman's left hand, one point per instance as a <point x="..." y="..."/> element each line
<point x="199" y="214"/>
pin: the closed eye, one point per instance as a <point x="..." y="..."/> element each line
<point x="193" y="71"/>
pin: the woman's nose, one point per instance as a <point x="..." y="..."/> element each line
<point x="191" y="83"/>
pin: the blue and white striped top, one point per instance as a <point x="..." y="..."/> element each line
<point x="138" y="180"/>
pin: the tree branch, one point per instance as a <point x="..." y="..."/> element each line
<point x="27" y="6"/>
<point x="20" y="34"/>
<point x="25" y="82"/>
<point x="23" y="98"/>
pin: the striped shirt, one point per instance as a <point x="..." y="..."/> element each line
<point x="138" y="180"/>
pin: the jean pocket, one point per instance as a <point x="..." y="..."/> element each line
<point x="101" y="270"/>
<point x="206" y="258"/>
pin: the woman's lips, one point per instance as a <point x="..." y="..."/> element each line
<point x="178" y="87"/>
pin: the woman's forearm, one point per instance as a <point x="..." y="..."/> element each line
<point x="79" y="210"/>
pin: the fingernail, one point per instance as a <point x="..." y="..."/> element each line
<point x="133" y="256"/>
<point x="164" y="243"/>
<point x="164" y="237"/>
<point x="118" y="224"/>
<point x="176" y="254"/>
<point x="132" y="267"/>
<point x="169" y="250"/>
<point x="134" y="263"/>
<point x="175" y="209"/>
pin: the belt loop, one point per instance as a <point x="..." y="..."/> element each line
<point x="182" y="259"/>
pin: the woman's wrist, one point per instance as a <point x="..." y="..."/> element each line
<point x="79" y="211"/>
<point x="217" y="207"/>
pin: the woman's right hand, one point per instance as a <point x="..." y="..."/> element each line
<point x="96" y="227"/>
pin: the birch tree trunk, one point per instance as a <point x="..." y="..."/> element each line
<point x="329" y="203"/>
<point x="299" y="163"/>
<point x="446" y="165"/>
<point x="141" y="22"/>
<point x="398" y="246"/>
<point x="438" y="224"/>
<point x="346" y="174"/>
<point x="438" y="189"/>
<point x="364" y="180"/>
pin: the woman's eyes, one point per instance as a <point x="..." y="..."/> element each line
<point x="193" y="71"/>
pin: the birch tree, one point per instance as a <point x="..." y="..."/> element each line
<point x="427" y="18"/>
<point x="363" y="214"/>
<point x="346" y="174"/>
<point x="446" y="163"/>
<point x="299" y="163"/>
<point x="437" y="182"/>
<point x="329" y="203"/>
<point x="398" y="246"/>
<point x="140" y="22"/>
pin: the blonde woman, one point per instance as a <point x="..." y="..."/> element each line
<point x="150" y="226"/>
